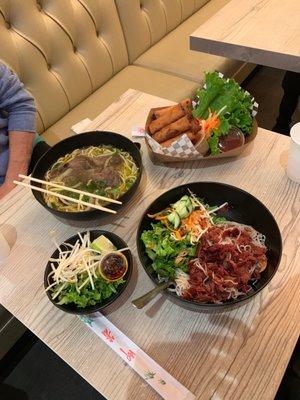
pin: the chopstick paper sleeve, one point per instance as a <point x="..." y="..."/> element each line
<point x="161" y="381"/>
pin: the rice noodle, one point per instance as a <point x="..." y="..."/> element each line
<point x="182" y="282"/>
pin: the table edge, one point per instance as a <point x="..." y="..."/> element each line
<point x="245" y="53"/>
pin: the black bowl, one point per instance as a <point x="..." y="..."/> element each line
<point x="72" y="308"/>
<point x="95" y="138"/>
<point x="243" y="208"/>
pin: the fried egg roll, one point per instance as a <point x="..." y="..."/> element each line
<point x="172" y="130"/>
<point x="190" y="135"/>
<point x="172" y="114"/>
<point x="159" y="113"/>
<point x="186" y="104"/>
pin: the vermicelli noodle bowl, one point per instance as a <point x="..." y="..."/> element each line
<point x="102" y="170"/>
<point x="215" y="245"/>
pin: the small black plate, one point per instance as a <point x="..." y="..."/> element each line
<point x="95" y="138"/>
<point x="243" y="208"/>
<point x="120" y="244"/>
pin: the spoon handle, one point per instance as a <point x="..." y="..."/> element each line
<point x="143" y="300"/>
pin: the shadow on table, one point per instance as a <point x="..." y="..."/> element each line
<point x="290" y="385"/>
<point x="183" y="359"/>
<point x="8" y="392"/>
<point x="10" y="234"/>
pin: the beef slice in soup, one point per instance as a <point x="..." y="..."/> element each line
<point x="81" y="162"/>
<point x="84" y="169"/>
<point x="115" y="161"/>
<point x="100" y="161"/>
<point x="108" y="175"/>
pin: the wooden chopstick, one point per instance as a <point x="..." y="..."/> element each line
<point x="62" y="196"/>
<point x="69" y="189"/>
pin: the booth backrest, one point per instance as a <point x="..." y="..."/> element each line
<point x="62" y="50"/>
<point x="145" y="22"/>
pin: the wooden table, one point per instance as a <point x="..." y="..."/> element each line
<point x="264" y="32"/>
<point x="235" y="355"/>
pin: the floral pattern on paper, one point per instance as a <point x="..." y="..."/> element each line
<point x="108" y="335"/>
<point x="149" y="374"/>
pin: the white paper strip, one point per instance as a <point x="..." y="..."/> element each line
<point x="161" y="381"/>
<point x="80" y="126"/>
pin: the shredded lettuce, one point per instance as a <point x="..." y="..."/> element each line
<point x="168" y="254"/>
<point x="163" y="249"/>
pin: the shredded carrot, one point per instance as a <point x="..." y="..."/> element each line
<point x="212" y="122"/>
<point x="194" y="218"/>
<point x="161" y="218"/>
<point x="178" y="235"/>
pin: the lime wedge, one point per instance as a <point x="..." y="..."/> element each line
<point x="103" y="245"/>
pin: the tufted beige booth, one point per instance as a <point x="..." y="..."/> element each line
<point x="62" y="50"/>
<point x="77" y="56"/>
<point x="145" y="22"/>
<point x="157" y="37"/>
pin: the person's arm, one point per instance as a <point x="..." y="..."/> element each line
<point x="19" y="105"/>
<point x="20" y="149"/>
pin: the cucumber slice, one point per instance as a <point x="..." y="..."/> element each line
<point x="181" y="210"/>
<point x="174" y="219"/>
<point x="183" y="207"/>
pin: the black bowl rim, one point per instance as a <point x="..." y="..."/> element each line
<point x="94" y="308"/>
<point x="92" y="212"/>
<point x="211" y="306"/>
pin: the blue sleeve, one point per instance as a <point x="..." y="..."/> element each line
<point x="17" y="102"/>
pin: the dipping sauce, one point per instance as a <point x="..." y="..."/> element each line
<point x="232" y="140"/>
<point x="113" y="266"/>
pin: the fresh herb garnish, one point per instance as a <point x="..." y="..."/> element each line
<point x="231" y="103"/>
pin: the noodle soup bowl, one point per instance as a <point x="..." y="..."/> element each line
<point x="68" y="145"/>
<point x="72" y="308"/>
<point x="242" y="208"/>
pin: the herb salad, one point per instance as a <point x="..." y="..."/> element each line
<point x="86" y="273"/>
<point x="174" y="237"/>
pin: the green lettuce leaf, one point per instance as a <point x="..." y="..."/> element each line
<point x="225" y="97"/>
<point x="214" y="86"/>
<point x="162" y="249"/>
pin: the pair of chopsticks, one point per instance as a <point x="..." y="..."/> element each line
<point x="69" y="189"/>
